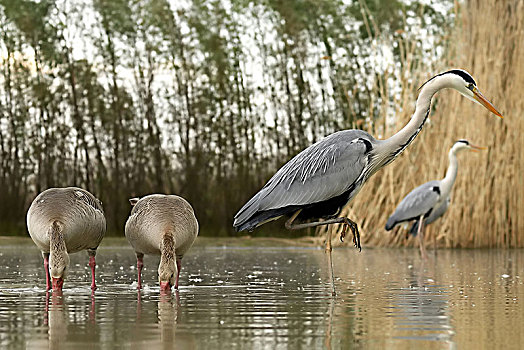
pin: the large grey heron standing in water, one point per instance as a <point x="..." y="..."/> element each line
<point x="319" y="181"/>
<point x="429" y="201"/>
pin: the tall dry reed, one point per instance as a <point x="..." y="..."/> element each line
<point x="487" y="204"/>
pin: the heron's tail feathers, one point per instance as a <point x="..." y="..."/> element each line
<point x="247" y="226"/>
<point x="391" y="223"/>
<point x="262" y="217"/>
<point x="243" y="219"/>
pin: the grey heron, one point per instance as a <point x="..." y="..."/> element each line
<point x="319" y="181"/>
<point x="62" y="221"/>
<point x="165" y="225"/>
<point x="429" y="201"/>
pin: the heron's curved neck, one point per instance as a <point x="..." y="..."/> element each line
<point x="451" y="174"/>
<point x="398" y="142"/>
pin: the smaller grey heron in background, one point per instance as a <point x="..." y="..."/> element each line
<point x="62" y="221"/>
<point x="429" y="201"/>
<point x="319" y="181"/>
<point x="165" y="225"/>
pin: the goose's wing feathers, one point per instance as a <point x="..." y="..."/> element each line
<point x="141" y="205"/>
<point x="322" y="171"/>
<point x="418" y="202"/>
<point x="88" y="199"/>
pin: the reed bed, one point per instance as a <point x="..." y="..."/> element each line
<point x="487" y="205"/>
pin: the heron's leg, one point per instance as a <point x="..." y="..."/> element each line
<point x="92" y="264"/>
<point x="330" y="263"/>
<point x="291" y="226"/>
<point x="139" y="265"/>
<point x="435" y="244"/>
<point x="289" y="222"/>
<point x="178" y="267"/>
<point x="46" y="267"/>
<point x="420" y="235"/>
<point x="341" y="220"/>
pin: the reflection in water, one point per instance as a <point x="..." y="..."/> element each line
<point x="168" y="305"/>
<point x="55" y="315"/>
<point x="167" y="316"/>
<point x="420" y="309"/>
<point x="329" y="324"/>
<point x="270" y="298"/>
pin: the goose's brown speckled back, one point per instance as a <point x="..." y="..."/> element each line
<point x="79" y="213"/>
<point x="153" y="216"/>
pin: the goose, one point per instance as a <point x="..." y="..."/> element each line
<point x="62" y="221"/>
<point x="163" y="225"/>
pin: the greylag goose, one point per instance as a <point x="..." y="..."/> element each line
<point x="165" y="225"/>
<point x="62" y="221"/>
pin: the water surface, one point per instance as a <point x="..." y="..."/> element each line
<point x="268" y="298"/>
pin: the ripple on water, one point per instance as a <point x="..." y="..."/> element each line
<point x="268" y="298"/>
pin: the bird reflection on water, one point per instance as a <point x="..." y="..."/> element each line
<point x="56" y="318"/>
<point x="168" y="315"/>
<point x="421" y="309"/>
<point x="245" y="297"/>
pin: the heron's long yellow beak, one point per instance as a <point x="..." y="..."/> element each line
<point x="484" y="101"/>
<point x="475" y="148"/>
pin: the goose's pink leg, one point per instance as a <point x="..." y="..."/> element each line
<point x="46" y="267"/>
<point x="92" y="264"/>
<point x="139" y="265"/>
<point x="178" y="267"/>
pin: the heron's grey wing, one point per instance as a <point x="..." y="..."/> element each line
<point x="435" y="214"/>
<point x="438" y="211"/>
<point x="418" y="202"/>
<point x="322" y="171"/>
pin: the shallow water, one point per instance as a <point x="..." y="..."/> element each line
<point x="272" y="298"/>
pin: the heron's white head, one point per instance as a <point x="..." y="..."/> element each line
<point x="465" y="145"/>
<point x="464" y="83"/>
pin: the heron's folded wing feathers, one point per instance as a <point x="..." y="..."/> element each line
<point x="438" y="211"/>
<point x="418" y="202"/>
<point x="322" y="171"/>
